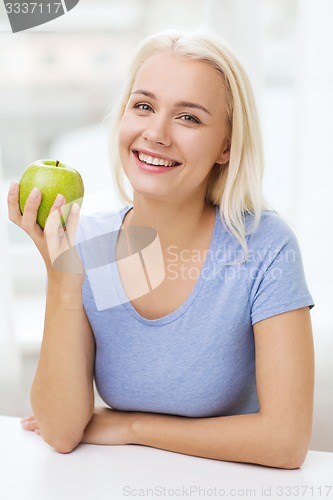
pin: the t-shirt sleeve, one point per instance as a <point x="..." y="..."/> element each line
<point x="276" y="275"/>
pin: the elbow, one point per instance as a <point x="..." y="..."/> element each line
<point x="289" y="453"/>
<point x="285" y="441"/>
<point x="62" y="438"/>
<point x="64" y="446"/>
<point x="291" y="459"/>
<point x="61" y="443"/>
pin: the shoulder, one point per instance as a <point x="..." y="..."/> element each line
<point x="270" y="223"/>
<point x="272" y="231"/>
<point x="275" y="277"/>
<point x="265" y="238"/>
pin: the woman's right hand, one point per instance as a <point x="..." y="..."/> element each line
<point x="55" y="243"/>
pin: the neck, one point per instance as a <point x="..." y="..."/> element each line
<point x="177" y="224"/>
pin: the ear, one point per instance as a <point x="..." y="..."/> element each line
<point x="225" y="154"/>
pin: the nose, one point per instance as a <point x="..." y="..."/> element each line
<point x="158" y="131"/>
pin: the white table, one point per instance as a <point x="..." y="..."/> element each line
<point x="31" y="470"/>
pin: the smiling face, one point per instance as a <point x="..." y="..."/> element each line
<point x="174" y="128"/>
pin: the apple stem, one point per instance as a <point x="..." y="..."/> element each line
<point x="57" y="163"/>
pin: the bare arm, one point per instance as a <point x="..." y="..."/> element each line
<point x="62" y="392"/>
<point x="277" y="436"/>
<point x="62" y="395"/>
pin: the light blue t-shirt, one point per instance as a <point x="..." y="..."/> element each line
<point x="198" y="361"/>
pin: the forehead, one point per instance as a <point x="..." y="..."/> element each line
<point x="167" y="74"/>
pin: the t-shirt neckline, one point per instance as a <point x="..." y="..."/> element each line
<point x="195" y="291"/>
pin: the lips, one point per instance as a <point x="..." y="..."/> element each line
<point x="156" y="160"/>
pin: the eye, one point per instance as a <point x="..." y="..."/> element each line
<point x="143" y="106"/>
<point x="190" y="119"/>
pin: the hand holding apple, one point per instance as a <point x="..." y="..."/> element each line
<point x="51" y="178"/>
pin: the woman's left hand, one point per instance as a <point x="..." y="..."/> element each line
<point x="109" y="427"/>
<point x="30" y="424"/>
<point x="106" y="427"/>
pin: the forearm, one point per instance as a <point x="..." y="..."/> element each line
<point x="241" y="438"/>
<point x="62" y="391"/>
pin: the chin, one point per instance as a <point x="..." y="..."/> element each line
<point x="150" y="189"/>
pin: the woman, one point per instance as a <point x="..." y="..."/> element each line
<point x="216" y="359"/>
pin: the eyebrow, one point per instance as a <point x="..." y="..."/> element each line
<point x="185" y="104"/>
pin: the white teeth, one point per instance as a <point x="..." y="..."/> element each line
<point x="155" y="161"/>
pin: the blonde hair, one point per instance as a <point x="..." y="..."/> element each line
<point x="237" y="185"/>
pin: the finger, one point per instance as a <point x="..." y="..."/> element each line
<point x="72" y="223"/>
<point x="29" y="217"/>
<point x="53" y="221"/>
<point x="26" y="419"/>
<point x="61" y="239"/>
<point x="55" y="226"/>
<point x="53" y="229"/>
<point x="69" y="260"/>
<point x="14" y="212"/>
<point x="30" y="424"/>
<point x="58" y="202"/>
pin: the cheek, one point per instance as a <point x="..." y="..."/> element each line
<point x="212" y="146"/>
<point x="202" y="149"/>
<point x="125" y="133"/>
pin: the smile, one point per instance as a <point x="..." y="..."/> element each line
<point x="154" y="160"/>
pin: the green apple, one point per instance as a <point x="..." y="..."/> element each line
<point x="51" y="177"/>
